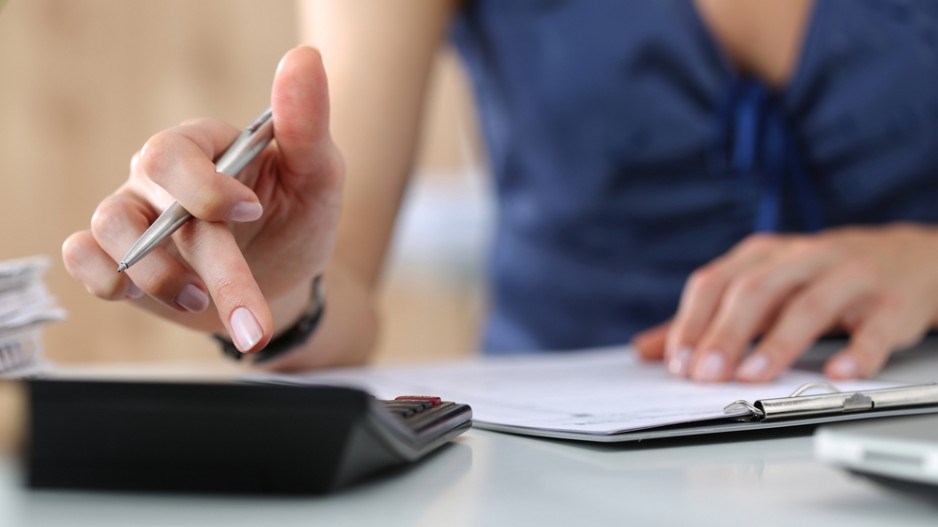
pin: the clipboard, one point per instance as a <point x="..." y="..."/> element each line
<point x="610" y="396"/>
<point x="801" y="408"/>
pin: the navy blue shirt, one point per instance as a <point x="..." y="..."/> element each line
<point x="627" y="151"/>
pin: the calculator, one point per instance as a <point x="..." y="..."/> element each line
<point x="226" y="436"/>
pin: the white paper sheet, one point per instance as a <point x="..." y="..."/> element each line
<point x="25" y="306"/>
<point x="602" y="392"/>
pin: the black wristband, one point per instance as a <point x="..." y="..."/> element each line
<point x="291" y="338"/>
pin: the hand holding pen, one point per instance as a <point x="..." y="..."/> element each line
<point x="245" y="148"/>
<point x="261" y="236"/>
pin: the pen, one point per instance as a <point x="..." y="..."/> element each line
<point x="244" y="149"/>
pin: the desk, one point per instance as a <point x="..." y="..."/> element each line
<point x="487" y="479"/>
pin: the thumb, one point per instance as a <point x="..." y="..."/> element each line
<point x="300" y="103"/>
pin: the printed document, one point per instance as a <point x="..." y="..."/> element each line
<point x="600" y="392"/>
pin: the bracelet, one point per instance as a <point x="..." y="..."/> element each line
<point x="293" y="337"/>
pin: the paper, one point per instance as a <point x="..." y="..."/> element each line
<point x="599" y="392"/>
<point x="25" y="305"/>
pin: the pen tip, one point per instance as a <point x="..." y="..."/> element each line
<point x="122" y="267"/>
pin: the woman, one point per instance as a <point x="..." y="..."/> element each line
<point x="781" y="155"/>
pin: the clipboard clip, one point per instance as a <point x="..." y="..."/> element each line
<point x="832" y="402"/>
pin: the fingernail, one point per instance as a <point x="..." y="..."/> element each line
<point x="245" y="329"/>
<point x="245" y="211"/>
<point x="680" y="361"/>
<point x="192" y="299"/>
<point x="754" y="367"/>
<point x="710" y="367"/>
<point x="280" y="65"/>
<point x="133" y="292"/>
<point x="846" y="367"/>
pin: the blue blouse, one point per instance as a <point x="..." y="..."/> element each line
<point x="627" y="151"/>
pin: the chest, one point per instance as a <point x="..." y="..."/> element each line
<point x="763" y="39"/>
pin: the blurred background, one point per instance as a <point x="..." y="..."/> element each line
<point x="84" y="84"/>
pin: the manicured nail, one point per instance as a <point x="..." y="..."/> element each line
<point x="245" y="330"/>
<point x="710" y="367"/>
<point x="680" y="361"/>
<point x="846" y="367"/>
<point x="245" y="211"/>
<point x="192" y="299"/>
<point x="133" y="292"/>
<point x="754" y="367"/>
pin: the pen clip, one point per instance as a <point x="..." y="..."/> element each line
<point x="245" y="148"/>
<point x="258" y="121"/>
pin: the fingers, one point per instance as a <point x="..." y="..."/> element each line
<point x="807" y="316"/>
<point x="793" y="289"/>
<point x="750" y="302"/>
<point x="300" y="103"/>
<point x="703" y="291"/>
<point x="649" y="344"/>
<point x="116" y="224"/>
<point x="870" y="345"/>
<point x="91" y="266"/>
<point x="179" y="160"/>
<point x="886" y="328"/>
<point x="212" y="251"/>
<point x="209" y="248"/>
<point x="702" y="295"/>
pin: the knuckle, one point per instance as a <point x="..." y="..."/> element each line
<point x="750" y="284"/>
<point x="813" y="306"/>
<point x="72" y="251"/>
<point x="759" y="241"/>
<point x="892" y="304"/>
<point x="155" y="156"/>
<point x="862" y="270"/>
<point x="210" y="198"/>
<point x="856" y="268"/>
<point x="199" y="133"/>
<point x="227" y="292"/>
<point x="807" y="246"/>
<point x="160" y="283"/>
<point x="704" y="279"/>
<point x="108" y="219"/>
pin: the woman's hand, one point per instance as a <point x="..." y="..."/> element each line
<point x="261" y="238"/>
<point x="879" y="284"/>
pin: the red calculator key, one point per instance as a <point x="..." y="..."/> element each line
<point x="435" y="401"/>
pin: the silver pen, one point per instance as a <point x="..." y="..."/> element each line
<point x="241" y="152"/>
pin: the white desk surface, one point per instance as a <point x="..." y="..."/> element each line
<point x="491" y="479"/>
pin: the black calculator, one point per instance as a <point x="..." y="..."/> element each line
<point x="226" y="436"/>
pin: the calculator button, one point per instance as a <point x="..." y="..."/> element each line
<point x="434" y="401"/>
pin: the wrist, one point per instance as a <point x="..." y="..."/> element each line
<point x="291" y="307"/>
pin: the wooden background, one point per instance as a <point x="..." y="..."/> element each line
<point x="84" y="84"/>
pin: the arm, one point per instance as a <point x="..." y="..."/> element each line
<point x="379" y="55"/>
<point x="259" y="244"/>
